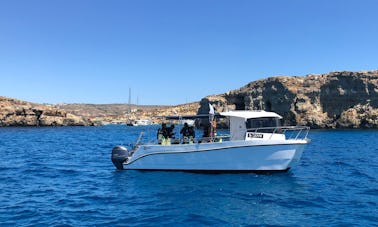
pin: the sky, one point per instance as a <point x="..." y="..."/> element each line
<point x="172" y="52"/>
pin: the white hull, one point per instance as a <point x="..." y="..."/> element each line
<point x="256" y="143"/>
<point x="221" y="156"/>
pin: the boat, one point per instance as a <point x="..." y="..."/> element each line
<point x="256" y="143"/>
<point x="187" y="121"/>
<point x="140" y="122"/>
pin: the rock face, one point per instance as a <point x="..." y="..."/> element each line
<point x="333" y="100"/>
<point x="14" y="112"/>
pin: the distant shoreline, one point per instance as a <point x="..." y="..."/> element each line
<point x="342" y="100"/>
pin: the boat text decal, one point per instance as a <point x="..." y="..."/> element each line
<point x="255" y="135"/>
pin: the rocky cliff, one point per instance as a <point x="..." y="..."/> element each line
<point x="333" y="100"/>
<point x="14" y="112"/>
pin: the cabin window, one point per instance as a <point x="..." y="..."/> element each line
<point x="264" y="122"/>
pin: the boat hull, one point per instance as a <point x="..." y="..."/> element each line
<point x="216" y="157"/>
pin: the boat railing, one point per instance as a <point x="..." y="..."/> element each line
<point x="291" y="132"/>
<point x="182" y="140"/>
<point x="214" y="139"/>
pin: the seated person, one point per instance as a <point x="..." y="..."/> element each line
<point x="163" y="134"/>
<point x="192" y="134"/>
<point x="172" y="136"/>
<point x="187" y="133"/>
<point x="205" y="135"/>
<point x="171" y="133"/>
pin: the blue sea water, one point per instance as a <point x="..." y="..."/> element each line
<point x="63" y="176"/>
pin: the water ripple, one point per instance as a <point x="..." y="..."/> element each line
<point x="64" y="177"/>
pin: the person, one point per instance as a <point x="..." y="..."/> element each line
<point x="192" y="134"/>
<point x="214" y="128"/>
<point x="171" y="135"/>
<point x="206" y="133"/>
<point x="206" y="130"/>
<point x="214" y="132"/>
<point x="185" y="133"/>
<point x="162" y="134"/>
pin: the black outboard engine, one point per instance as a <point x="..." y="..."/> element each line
<point x="119" y="155"/>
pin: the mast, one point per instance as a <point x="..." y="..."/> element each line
<point x="129" y="100"/>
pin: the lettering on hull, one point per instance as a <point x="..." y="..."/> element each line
<point x="255" y="135"/>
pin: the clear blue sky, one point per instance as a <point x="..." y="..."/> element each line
<point x="175" y="51"/>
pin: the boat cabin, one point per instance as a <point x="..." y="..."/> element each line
<point x="254" y="125"/>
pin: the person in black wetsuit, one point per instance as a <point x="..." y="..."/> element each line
<point x="185" y="133"/>
<point x="171" y="133"/>
<point x="188" y="133"/>
<point x="162" y="134"/>
<point x="206" y="133"/>
<point x="192" y="134"/>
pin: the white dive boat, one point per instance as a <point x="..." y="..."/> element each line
<point x="143" y="122"/>
<point x="257" y="143"/>
<point x="188" y="121"/>
<point x="140" y="122"/>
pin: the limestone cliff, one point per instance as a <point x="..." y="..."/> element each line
<point x="14" y="112"/>
<point x="333" y="100"/>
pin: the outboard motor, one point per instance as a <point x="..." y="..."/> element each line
<point x="119" y="155"/>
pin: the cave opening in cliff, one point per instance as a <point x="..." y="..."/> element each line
<point x="239" y="103"/>
<point x="268" y="106"/>
<point x="239" y="106"/>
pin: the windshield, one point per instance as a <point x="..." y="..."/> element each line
<point x="263" y="122"/>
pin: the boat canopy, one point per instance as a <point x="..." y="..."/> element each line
<point x="187" y="117"/>
<point x="247" y="114"/>
<point x="238" y="119"/>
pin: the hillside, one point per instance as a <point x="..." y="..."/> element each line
<point x="103" y="110"/>
<point x="15" y="112"/>
<point x="123" y="113"/>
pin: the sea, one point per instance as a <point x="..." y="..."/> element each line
<point x="63" y="176"/>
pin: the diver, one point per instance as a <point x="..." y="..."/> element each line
<point x="170" y="135"/>
<point x="187" y="133"/>
<point x="163" y="134"/>
<point x="192" y="134"/>
<point x="206" y="133"/>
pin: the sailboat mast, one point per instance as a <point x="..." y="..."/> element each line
<point x="129" y="100"/>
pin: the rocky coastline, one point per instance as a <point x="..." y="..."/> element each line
<point x="332" y="100"/>
<point x="19" y="113"/>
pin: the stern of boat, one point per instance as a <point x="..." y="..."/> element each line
<point x="120" y="154"/>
